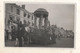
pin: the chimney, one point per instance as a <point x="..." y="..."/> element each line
<point x="23" y="6"/>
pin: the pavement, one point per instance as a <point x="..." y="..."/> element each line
<point x="60" y="43"/>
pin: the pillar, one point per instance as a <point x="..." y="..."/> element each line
<point x="45" y="22"/>
<point x="40" y="21"/>
<point x="35" y="21"/>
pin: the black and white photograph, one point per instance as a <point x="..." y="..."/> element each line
<point x="39" y="25"/>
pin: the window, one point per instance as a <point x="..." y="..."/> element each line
<point x="11" y="8"/>
<point x="18" y="11"/>
<point x="28" y="15"/>
<point x="10" y="20"/>
<point x="32" y="17"/>
<point x="24" y="14"/>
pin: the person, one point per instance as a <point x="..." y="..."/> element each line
<point x="54" y="37"/>
<point x="6" y="34"/>
<point x="27" y="36"/>
<point x="20" y="33"/>
<point x="9" y="31"/>
<point x="13" y="33"/>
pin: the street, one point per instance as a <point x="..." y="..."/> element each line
<point x="60" y="43"/>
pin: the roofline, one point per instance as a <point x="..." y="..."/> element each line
<point x="18" y="7"/>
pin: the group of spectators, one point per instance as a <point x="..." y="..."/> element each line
<point x="21" y="34"/>
<point x="18" y="34"/>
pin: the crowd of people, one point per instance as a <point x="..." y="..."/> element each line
<point x="21" y="34"/>
<point x="18" y="34"/>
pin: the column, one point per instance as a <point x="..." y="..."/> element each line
<point x="35" y="21"/>
<point x="40" y="23"/>
<point x="45" y="22"/>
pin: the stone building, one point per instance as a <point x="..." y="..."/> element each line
<point x="14" y="13"/>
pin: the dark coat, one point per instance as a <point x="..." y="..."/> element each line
<point x="20" y="31"/>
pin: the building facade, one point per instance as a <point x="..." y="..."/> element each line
<point x="13" y="13"/>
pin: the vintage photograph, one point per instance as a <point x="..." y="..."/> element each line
<point x="39" y="25"/>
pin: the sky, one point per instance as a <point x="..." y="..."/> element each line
<point x="61" y="15"/>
